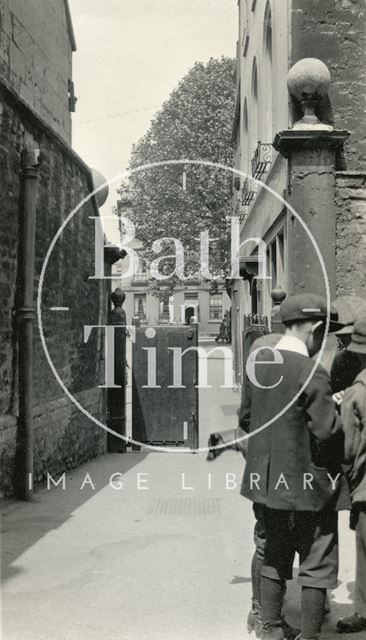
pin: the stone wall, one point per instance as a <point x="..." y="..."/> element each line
<point x="35" y="57"/>
<point x="64" y="437"/>
<point x="350" y="204"/>
<point x="335" y="32"/>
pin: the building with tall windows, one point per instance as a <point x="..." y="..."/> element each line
<point x="152" y="305"/>
<point x="155" y="303"/>
<point x="262" y="110"/>
<point x="272" y="36"/>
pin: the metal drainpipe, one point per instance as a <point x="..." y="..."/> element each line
<point x="25" y="315"/>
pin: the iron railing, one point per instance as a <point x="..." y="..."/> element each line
<point x="140" y="278"/>
<point x="262" y="159"/>
<point x="248" y="191"/>
<point x="260" y="165"/>
<point x="164" y="317"/>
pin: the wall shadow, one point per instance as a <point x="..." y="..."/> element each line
<point x="24" y="523"/>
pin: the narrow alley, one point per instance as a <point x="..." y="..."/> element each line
<point x="143" y="545"/>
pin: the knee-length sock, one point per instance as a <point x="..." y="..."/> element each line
<point x="312" y="611"/>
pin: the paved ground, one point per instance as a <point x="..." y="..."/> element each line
<point x="168" y="562"/>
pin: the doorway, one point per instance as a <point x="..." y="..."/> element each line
<point x="189" y="313"/>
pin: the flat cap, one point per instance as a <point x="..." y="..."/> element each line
<point x="308" y="306"/>
<point x="358" y="343"/>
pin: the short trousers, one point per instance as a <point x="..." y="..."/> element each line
<point x="313" y="535"/>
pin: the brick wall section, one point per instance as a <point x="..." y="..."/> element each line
<point x="350" y="202"/>
<point x="64" y="437"/>
<point x="335" y="32"/>
<point x="35" y="57"/>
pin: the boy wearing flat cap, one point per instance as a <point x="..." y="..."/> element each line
<point x="354" y="425"/>
<point x="294" y="464"/>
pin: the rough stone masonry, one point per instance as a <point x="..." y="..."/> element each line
<point x="336" y="31"/>
<point x="63" y="436"/>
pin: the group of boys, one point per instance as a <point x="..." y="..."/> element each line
<point x="305" y="449"/>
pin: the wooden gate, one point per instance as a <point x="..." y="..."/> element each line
<point x="116" y="397"/>
<point x="163" y="413"/>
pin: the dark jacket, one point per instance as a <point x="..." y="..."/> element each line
<point x="306" y="439"/>
<point x="345" y="367"/>
<point x="354" y="425"/>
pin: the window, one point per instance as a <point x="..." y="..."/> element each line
<point x="267" y="75"/>
<point x="245" y="137"/>
<point x="139" y="305"/>
<point x="140" y="274"/>
<point x="191" y="305"/>
<point x="268" y="29"/>
<point x="216" y="306"/>
<point x="276" y="261"/>
<point x="254" y="113"/>
<point x="245" y="117"/>
<point x="255" y="80"/>
<point x="281" y="275"/>
<point x="191" y="295"/>
<point x="71" y="95"/>
<point x="276" y="269"/>
<point x="245" y="27"/>
<point x="164" y="306"/>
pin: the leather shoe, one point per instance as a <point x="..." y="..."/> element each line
<point x="352" y="624"/>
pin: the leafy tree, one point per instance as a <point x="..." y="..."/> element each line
<point x="180" y="201"/>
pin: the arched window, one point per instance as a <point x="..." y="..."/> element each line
<point x="255" y="80"/>
<point x="267" y="75"/>
<point x="244" y="22"/>
<point x="245" y="140"/>
<point x="253" y="133"/>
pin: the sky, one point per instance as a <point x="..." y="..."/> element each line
<point x="130" y="56"/>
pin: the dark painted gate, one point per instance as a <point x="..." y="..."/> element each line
<point x="116" y="397"/>
<point x="163" y="414"/>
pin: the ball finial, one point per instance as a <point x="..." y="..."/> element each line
<point x="98" y="179"/>
<point x="308" y="81"/>
<point x="118" y="297"/>
<point x="278" y="295"/>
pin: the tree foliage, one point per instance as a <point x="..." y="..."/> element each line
<point x="180" y="201"/>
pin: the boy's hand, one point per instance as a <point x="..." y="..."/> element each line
<point x="338" y="397"/>
<point x="213" y="441"/>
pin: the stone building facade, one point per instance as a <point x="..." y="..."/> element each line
<point x="63" y="435"/>
<point x="273" y="35"/>
<point x="153" y="305"/>
<point x="191" y="299"/>
<point x="37" y="43"/>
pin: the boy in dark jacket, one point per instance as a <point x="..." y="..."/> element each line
<point x="354" y="425"/>
<point x="293" y="465"/>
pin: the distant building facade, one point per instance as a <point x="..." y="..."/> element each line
<point x="152" y="306"/>
<point x="153" y="303"/>
<point x="273" y="35"/>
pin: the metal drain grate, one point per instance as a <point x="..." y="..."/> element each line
<point x="229" y="409"/>
<point x="185" y="507"/>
